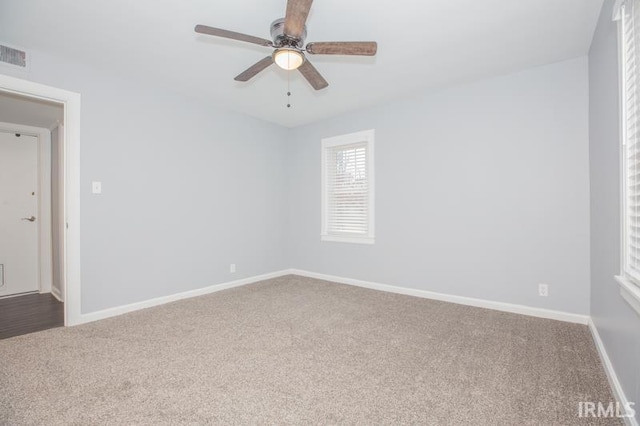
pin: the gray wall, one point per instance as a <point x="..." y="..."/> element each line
<point x="57" y="212"/>
<point x="187" y="188"/>
<point x="618" y="325"/>
<point x="481" y="191"/>
<point x="29" y="112"/>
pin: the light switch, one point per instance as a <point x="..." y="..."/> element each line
<point x="96" y="187"/>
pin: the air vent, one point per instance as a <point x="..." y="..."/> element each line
<point x="14" y="57"/>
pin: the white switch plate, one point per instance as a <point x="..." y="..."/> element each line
<point x="232" y="268"/>
<point x="96" y="187"/>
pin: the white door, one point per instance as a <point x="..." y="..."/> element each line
<point x="18" y="209"/>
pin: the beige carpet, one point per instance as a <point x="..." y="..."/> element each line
<point x="299" y="351"/>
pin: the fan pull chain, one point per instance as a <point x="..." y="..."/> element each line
<point x="288" y="89"/>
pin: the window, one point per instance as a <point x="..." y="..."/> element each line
<point x="347" y="188"/>
<point x="629" y="39"/>
<point x="631" y="139"/>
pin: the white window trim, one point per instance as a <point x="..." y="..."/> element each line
<point x="629" y="292"/>
<point x="617" y="7"/>
<point x="629" y="289"/>
<point x="367" y="136"/>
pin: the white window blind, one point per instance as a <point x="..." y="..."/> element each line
<point x="348" y="188"/>
<point x="631" y="136"/>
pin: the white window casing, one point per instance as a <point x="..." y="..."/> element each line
<point x="348" y="188"/>
<point x="628" y="14"/>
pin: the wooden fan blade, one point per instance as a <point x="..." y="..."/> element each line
<point x="254" y="69"/>
<point x="203" y="29"/>
<point x="312" y="75"/>
<point x="296" y="17"/>
<point x="361" y="48"/>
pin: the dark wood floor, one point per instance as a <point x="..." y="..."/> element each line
<point x="29" y="313"/>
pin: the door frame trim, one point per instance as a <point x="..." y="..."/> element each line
<point x="45" y="254"/>
<point x="71" y="188"/>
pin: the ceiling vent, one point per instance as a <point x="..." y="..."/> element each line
<point x="12" y="56"/>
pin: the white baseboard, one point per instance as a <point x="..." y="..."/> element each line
<point x="616" y="387"/>
<point x="56" y="293"/>
<point x="461" y="300"/>
<point x="481" y="303"/>
<point x="119" y="310"/>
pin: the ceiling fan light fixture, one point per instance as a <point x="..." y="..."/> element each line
<point x="288" y="59"/>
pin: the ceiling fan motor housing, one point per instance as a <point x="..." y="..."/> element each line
<point x="280" y="39"/>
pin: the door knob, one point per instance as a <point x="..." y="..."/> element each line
<point x="30" y="218"/>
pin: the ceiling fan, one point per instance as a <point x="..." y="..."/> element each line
<point x="288" y="35"/>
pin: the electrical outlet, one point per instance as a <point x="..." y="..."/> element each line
<point x="232" y="268"/>
<point x="543" y="290"/>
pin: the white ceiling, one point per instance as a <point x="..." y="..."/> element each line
<point x="422" y="45"/>
<point x="29" y="112"/>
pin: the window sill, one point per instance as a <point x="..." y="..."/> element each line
<point x="345" y="239"/>
<point x="630" y="292"/>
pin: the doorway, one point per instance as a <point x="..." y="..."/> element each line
<point x="64" y="271"/>
<point x="31" y="294"/>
